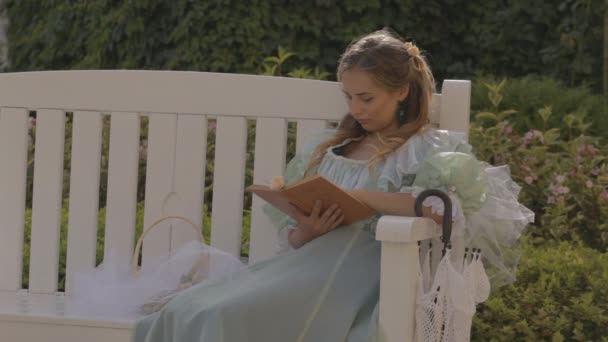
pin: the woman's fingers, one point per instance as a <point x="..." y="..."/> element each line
<point x="330" y="217"/>
<point x="316" y="209"/>
<point x="336" y="219"/>
<point x="329" y="212"/>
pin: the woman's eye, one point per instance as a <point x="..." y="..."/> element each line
<point x="367" y="100"/>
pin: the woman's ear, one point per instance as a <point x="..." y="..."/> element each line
<point x="404" y="92"/>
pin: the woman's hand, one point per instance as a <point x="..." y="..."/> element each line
<point x="316" y="224"/>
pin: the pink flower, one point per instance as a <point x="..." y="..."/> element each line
<point x="595" y="171"/>
<point x="591" y="149"/>
<point x="564" y="189"/>
<point x="551" y="199"/>
<point x="554" y="189"/>
<point x="581" y="149"/>
<point x="589" y="184"/>
<point x="604" y="195"/>
<point x="529" y="179"/>
<point x="560" y="178"/>
<point x="508" y="130"/>
<point x="528" y="137"/>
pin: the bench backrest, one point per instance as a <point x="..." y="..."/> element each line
<point x="178" y="106"/>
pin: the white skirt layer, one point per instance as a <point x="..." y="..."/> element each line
<point x="113" y="290"/>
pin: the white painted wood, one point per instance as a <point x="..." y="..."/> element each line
<point x="160" y="186"/>
<point x="190" y="157"/>
<point x="84" y="194"/>
<point x="436" y="253"/>
<point x="46" y="201"/>
<point x="28" y="317"/>
<point x="17" y="330"/>
<point x="174" y="181"/>
<point x="184" y="92"/>
<point x="228" y="184"/>
<point x="269" y="161"/>
<point x="305" y="129"/>
<point x="121" y="200"/>
<point x="399" y="269"/>
<point x="406" y="229"/>
<point x="13" y="154"/>
<point x="455" y="105"/>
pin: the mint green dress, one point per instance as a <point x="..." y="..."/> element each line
<point x="328" y="289"/>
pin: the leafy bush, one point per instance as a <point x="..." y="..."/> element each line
<point x="564" y="176"/>
<point x="560" y="295"/>
<point x="505" y="37"/>
<point x="528" y="94"/>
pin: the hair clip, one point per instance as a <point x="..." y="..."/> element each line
<point x="411" y="49"/>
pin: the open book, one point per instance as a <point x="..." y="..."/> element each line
<point x="304" y="193"/>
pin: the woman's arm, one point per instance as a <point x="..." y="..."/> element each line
<point x="392" y="203"/>
<point x="317" y="224"/>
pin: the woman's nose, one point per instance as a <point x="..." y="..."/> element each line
<point x="355" y="107"/>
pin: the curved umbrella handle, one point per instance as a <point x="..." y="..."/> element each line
<point x="447" y="213"/>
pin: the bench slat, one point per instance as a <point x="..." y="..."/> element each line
<point x="270" y="152"/>
<point x="84" y="193"/>
<point x="305" y="129"/>
<point x="176" y="156"/>
<point x="160" y="175"/>
<point x="228" y="184"/>
<point x="121" y="197"/>
<point x="174" y="92"/>
<point x="47" y="202"/>
<point x="190" y="161"/>
<point x="455" y="105"/>
<point x="13" y="171"/>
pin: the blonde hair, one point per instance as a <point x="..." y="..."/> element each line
<point x="394" y="64"/>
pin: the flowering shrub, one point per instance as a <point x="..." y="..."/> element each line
<point x="564" y="178"/>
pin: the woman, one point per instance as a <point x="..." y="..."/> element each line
<point x="325" y="287"/>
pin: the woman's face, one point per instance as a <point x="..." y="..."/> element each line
<point x="371" y="104"/>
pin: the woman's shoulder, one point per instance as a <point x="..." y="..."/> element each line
<point x="439" y="139"/>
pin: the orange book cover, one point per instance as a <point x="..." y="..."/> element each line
<point x="304" y="193"/>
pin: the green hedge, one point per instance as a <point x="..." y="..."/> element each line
<point x="503" y="37"/>
<point x="560" y="295"/>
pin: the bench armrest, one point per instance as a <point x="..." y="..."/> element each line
<point x="399" y="272"/>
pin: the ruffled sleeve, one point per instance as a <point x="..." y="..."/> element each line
<point x="294" y="171"/>
<point x="487" y="212"/>
<point x="401" y="167"/>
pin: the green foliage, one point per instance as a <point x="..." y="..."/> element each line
<point x="560" y="295"/>
<point x="570" y="106"/>
<point x="563" y="173"/>
<point x="507" y="38"/>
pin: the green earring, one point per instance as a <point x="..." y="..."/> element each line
<point x="402" y="117"/>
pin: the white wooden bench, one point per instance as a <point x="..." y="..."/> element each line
<point x="178" y="105"/>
